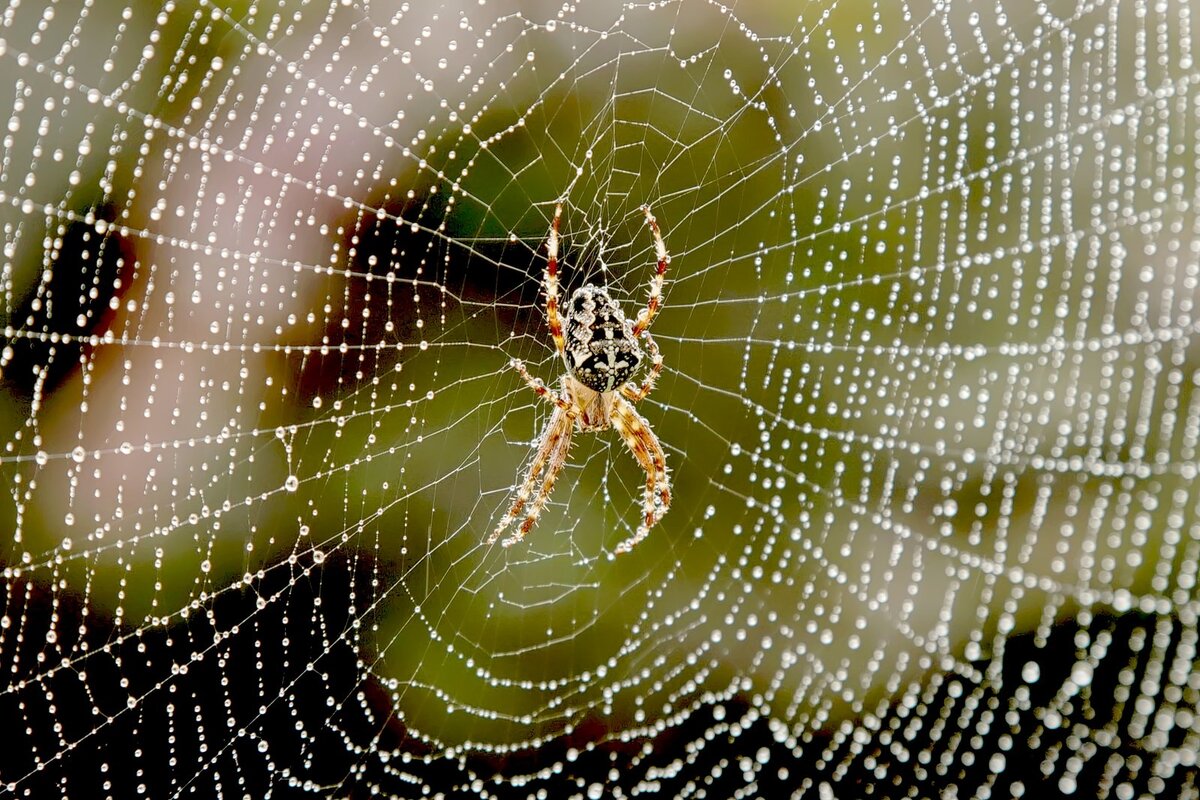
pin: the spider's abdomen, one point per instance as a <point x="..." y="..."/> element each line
<point x="600" y="349"/>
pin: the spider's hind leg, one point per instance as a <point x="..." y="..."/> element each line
<point x="647" y="314"/>
<point x="551" y="283"/>
<point x="634" y="394"/>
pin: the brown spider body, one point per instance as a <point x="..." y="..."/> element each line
<point x="600" y="350"/>
<point x="595" y="409"/>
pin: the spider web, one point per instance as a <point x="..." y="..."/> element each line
<point x="929" y="402"/>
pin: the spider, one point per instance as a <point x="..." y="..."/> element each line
<point x="599" y="348"/>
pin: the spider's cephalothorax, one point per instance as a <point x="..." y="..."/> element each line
<point x="601" y="352"/>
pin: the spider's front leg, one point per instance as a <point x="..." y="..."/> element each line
<point x="553" y="444"/>
<point x="648" y="452"/>
<point x="551" y="454"/>
<point x="558" y="435"/>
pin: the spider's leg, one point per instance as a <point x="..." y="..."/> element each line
<point x="557" y="458"/>
<point x="642" y="438"/>
<point x="637" y="394"/>
<point x="540" y="388"/>
<point x="646" y="448"/>
<point x="647" y="314"/>
<point x="552" y="318"/>
<point x="640" y="454"/>
<point x="547" y="442"/>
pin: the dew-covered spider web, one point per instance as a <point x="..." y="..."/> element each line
<point x="930" y="400"/>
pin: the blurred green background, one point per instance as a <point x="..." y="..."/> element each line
<point x="929" y="380"/>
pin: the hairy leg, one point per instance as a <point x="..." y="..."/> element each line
<point x="637" y="447"/>
<point x="648" y="451"/>
<point x="548" y="443"/>
<point x="638" y="394"/>
<point x="554" y="464"/>
<point x="540" y="388"/>
<point x="647" y="314"/>
<point x="552" y="318"/>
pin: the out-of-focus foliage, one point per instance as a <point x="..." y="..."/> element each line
<point x="929" y="400"/>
